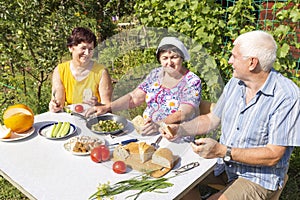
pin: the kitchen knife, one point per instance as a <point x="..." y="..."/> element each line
<point x="124" y="142"/>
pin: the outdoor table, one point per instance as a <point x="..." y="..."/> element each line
<point x="42" y="169"/>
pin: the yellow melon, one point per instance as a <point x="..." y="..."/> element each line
<point x="4" y="132"/>
<point x="19" y="118"/>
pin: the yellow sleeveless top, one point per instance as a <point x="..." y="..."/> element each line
<point x="74" y="89"/>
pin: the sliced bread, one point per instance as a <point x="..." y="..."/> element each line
<point x="163" y="157"/>
<point x="120" y="153"/>
<point x="145" y="151"/>
<point x="138" y="123"/>
<point x="166" y="128"/>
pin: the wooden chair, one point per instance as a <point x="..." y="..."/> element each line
<point x="206" y="107"/>
<point x="278" y="192"/>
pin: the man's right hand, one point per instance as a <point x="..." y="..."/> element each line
<point x="171" y="132"/>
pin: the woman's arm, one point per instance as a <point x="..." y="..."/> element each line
<point x="58" y="92"/>
<point x="105" y="87"/>
<point x="128" y="101"/>
<point x="184" y="113"/>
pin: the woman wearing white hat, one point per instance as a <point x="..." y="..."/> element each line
<point x="172" y="92"/>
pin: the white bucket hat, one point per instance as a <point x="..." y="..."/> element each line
<point x="177" y="43"/>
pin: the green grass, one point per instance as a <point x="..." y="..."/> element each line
<point x="9" y="192"/>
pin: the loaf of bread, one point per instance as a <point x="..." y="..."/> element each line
<point x="120" y="152"/>
<point x="132" y="147"/>
<point x="138" y="123"/>
<point x="145" y="151"/>
<point x="163" y="157"/>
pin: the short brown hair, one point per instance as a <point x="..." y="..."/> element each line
<point x="80" y="35"/>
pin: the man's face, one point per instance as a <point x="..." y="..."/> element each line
<point x="239" y="63"/>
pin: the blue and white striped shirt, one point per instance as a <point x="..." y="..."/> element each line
<point x="271" y="117"/>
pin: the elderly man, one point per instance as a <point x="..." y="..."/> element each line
<point x="259" y="113"/>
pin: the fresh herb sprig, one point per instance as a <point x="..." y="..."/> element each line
<point x="143" y="183"/>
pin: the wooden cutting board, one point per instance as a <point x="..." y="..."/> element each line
<point x="156" y="171"/>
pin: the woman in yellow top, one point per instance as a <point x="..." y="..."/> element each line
<point x="80" y="80"/>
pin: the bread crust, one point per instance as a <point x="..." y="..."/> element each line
<point x="132" y="147"/>
<point x="167" y="129"/>
<point x="145" y="151"/>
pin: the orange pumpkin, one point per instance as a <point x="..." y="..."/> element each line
<point x="19" y="118"/>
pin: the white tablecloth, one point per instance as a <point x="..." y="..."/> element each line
<point x="43" y="169"/>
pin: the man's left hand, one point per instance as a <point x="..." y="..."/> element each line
<point x="207" y="147"/>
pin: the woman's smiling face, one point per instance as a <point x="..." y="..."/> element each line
<point x="82" y="53"/>
<point x="171" y="62"/>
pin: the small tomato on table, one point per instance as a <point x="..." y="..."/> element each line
<point x="100" y="153"/>
<point x="119" y="167"/>
<point x="79" y="108"/>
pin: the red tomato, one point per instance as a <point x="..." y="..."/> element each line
<point x="79" y="108"/>
<point x="119" y="167"/>
<point x="100" y="153"/>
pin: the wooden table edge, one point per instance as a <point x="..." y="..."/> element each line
<point x="21" y="189"/>
<point x="196" y="182"/>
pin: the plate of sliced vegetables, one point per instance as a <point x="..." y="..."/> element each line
<point x="57" y="130"/>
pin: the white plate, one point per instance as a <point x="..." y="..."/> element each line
<point x="19" y="136"/>
<point x="91" y="141"/>
<point x="85" y="108"/>
<point x="47" y="127"/>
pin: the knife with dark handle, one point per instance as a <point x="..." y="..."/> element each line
<point x="124" y="142"/>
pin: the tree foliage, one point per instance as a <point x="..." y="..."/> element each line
<point x="33" y="42"/>
<point x="215" y="27"/>
<point x="34" y="34"/>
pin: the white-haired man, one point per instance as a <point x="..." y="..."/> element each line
<point x="259" y="113"/>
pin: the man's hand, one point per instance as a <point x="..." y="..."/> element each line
<point x="169" y="132"/>
<point x="208" y="148"/>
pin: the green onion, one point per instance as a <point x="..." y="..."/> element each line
<point x="143" y="183"/>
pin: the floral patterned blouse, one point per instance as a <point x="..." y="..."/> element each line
<point x="161" y="101"/>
